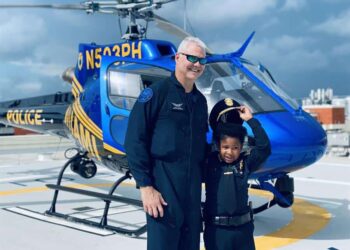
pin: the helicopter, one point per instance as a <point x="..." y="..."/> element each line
<point x="107" y="80"/>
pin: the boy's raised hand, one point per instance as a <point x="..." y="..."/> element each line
<point x="245" y="113"/>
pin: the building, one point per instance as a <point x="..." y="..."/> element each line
<point x="328" y="115"/>
<point x="333" y="113"/>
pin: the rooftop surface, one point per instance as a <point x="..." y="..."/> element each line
<point x="319" y="218"/>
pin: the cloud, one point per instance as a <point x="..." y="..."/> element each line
<point x="14" y="88"/>
<point x="293" y="69"/>
<point x="231" y="10"/>
<point x="293" y="5"/>
<point x="341" y="50"/>
<point x="40" y="68"/>
<point x="221" y="46"/>
<point x="206" y="12"/>
<point x="282" y="43"/>
<point x="20" y="32"/>
<point x="288" y="54"/>
<point x="287" y="42"/>
<point x="334" y="1"/>
<point x="289" y="59"/>
<point x="46" y="60"/>
<point x="284" y="53"/>
<point x="29" y="87"/>
<point x="339" y="25"/>
<point x="270" y="23"/>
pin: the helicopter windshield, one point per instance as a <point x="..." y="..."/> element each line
<point x="265" y="76"/>
<point x="224" y="80"/>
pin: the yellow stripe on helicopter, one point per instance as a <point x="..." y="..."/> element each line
<point x="112" y="149"/>
<point x="78" y="112"/>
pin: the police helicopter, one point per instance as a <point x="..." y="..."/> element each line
<point x="107" y="80"/>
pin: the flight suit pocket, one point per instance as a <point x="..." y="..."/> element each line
<point x="164" y="144"/>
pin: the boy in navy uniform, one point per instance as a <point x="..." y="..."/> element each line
<point x="227" y="215"/>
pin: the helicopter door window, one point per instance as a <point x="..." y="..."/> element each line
<point x="126" y="81"/>
<point x="124" y="88"/>
<point x="119" y="123"/>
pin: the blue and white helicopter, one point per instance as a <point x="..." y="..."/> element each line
<point x="107" y="80"/>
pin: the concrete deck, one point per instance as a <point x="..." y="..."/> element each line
<point x="319" y="218"/>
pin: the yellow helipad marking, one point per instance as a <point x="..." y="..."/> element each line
<point x="44" y="188"/>
<point x="307" y="220"/>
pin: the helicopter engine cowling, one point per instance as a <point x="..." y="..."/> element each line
<point x="84" y="167"/>
<point x="68" y="75"/>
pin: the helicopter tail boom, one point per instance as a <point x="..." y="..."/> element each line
<point x="44" y="114"/>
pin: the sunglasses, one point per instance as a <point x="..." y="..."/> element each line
<point x="194" y="59"/>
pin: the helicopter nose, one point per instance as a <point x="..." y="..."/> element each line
<point x="297" y="140"/>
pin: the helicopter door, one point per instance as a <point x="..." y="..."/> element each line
<point x="120" y="89"/>
<point x="118" y="96"/>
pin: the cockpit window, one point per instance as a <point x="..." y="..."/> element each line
<point x="265" y="76"/>
<point x="124" y="88"/>
<point x="125" y="82"/>
<point x="224" y="80"/>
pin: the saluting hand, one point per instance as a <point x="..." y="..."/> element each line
<point x="245" y="113"/>
<point x="153" y="201"/>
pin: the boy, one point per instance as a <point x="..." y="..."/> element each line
<point x="227" y="216"/>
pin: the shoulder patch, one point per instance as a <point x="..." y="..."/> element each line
<point x="145" y="95"/>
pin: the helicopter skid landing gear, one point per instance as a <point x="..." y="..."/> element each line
<point x="107" y="198"/>
<point x="282" y="190"/>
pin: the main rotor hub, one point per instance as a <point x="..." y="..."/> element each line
<point x="134" y="9"/>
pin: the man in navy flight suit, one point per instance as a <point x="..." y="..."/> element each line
<point x="165" y="145"/>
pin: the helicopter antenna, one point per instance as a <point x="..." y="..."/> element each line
<point x="120" y="26"/>
<point x="186" y="21"/>
<point x="146" y="28"/>
<point x="191" y="27"/>
<point x="185" y="15"/>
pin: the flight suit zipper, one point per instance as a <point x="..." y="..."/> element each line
<point x="186" y="100"/>
<point x="191" y="111"/>
<point x="191" y="140"/>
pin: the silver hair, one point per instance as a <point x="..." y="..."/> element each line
<point x="190" y="39"/>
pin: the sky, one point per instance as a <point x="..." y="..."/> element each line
<point x="305" y="44"/>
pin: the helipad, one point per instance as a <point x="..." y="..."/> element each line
<point x="319" y="218"/>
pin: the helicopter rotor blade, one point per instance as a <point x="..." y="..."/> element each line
<point x="46" y="6"/>
<point x="108" y="7"/>
<point x="169" y="27"/>
<point x="172" y="28"/>
<point x="136" y="9"/>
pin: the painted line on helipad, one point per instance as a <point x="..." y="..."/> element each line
<point x="23" y="178"/>
<point x="333" y="164"/>
<point x="344" y="183"/>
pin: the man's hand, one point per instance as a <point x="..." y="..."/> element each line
<point x="152" y="201"/>
<point x="245" y="113"/>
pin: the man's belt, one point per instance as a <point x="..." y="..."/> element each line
<point x="229" y="220"/>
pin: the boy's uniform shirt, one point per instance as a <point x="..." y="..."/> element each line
<point x="227" y="184"/>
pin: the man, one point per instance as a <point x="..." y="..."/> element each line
<point x="165" y="145"/>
